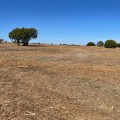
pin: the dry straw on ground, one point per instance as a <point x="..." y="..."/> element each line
<point x="59" y="83"/>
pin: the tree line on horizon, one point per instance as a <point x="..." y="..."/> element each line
<point x="108" y="44"/>
<point x="24" y="35"/>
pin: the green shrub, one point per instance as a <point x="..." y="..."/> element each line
<point x="90" y="44"/>
<point x="65" y="44"/>
<point x="38" y="43"/>
<point x="100" y="44"/>
<point x="74" y="45"/>
<point x="1" y="40"/>
<point x="117" y="44"/>
<point x="110" y="44"/>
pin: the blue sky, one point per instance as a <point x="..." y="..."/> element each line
<point x="63" y="21"/>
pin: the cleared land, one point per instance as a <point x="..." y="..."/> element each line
<point x="59" y="83"/>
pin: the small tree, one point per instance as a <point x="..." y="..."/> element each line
<point x="100" y="44"/>
<point x="90" y="44"/>
<point x="117" y="44"/>
<point x="23" y="35"/>
<point x="1" y="40"/>
<point x="110" y="44"/>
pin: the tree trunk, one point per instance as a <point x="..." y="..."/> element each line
<point x="17" y="42"/>
<point x="25" y="42"/>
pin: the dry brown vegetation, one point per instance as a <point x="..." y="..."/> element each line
<point x="46" y="82"/>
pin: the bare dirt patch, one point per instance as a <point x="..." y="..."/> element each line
<point x="59" y="83"/>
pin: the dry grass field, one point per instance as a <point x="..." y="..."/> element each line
<point x="47" y="82"/>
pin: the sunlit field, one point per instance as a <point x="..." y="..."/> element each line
<point x="56" y="82"/>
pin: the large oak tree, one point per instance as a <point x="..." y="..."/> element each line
<point x="23" y="35"/>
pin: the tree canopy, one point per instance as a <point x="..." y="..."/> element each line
<point x="90" y="44"/>
<point x="1" y="40"/>
<point x="100" y="43"/>
<point x="110" y="44"/>
<point x="23" y="35"/>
